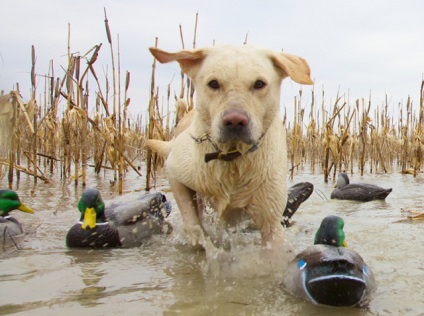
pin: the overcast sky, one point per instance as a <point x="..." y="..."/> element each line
<point x="355" y="47"/>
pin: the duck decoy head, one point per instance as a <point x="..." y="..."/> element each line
<point x="342" y="180"/>
<point x="331" y="232"/>
<point x="91" y="207"/>
<point x="10" y="201"/>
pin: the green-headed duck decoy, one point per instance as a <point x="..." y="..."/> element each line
<point x="122" y="224"/>
<point x="10" y="201"/>
<point x="328" y="273"/>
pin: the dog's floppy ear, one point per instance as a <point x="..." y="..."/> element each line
<point x="187" y="59"/>
<point x="293" y="66"/>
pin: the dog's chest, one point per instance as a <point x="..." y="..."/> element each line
<point x="229" y="184"/>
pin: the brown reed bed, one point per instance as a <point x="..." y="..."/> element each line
<point x="351" y="138"/>
<point x="38" y="140"/>
<point x="68" y="143"/>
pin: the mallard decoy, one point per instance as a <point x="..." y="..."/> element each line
<point x="328" y="273"/>
<point x="297" y="194"/>
<point x="357" y="191"/>
<point x="123" y="224"/>
<point x="10" y="201"/>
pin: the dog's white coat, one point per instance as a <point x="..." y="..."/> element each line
<point x="254" y="182"/>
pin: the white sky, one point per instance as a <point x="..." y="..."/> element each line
<point x="356" y="47"/>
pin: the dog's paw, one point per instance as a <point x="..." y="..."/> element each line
<point x="273" y="238"/>
<point x="195" y="235"/>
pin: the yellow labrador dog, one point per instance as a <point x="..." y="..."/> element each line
<point x="233" y="153"/>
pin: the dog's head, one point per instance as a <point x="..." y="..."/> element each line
<point x="237" y="87"/>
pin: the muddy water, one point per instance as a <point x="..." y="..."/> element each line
<point x="167" y="277"/>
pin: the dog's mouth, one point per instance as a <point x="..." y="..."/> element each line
<point x="228" y="151"/>
<point x="232" y="137"/>
<point x="230" y="154"/>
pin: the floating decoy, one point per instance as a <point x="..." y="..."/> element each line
<point x="9" y="201"/>
<point x="122" y="224"/>
<point x="357" y="191"/>
<point x="297" y="194"/>
<point x="328" y="273"/>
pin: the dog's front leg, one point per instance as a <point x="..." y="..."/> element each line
<point x="188" y="206"/>
<point x="272" y="235"/>
<point x="267" y="220"/>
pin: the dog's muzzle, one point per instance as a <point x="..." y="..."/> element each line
<point x="218" y="154"/>
<point x="235" y="126"/>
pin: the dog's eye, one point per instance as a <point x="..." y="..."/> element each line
<point x="259" y="84"/>
<point x="213" y="84"/>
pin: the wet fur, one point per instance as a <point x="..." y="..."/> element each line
<point x="254" y="183"/>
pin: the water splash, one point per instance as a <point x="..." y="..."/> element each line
<point x="245" y="258"/>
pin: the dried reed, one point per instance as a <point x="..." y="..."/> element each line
<point x="358" y="137"/>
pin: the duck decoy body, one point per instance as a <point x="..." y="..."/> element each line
<point x="328" y="273"/>
<point x="9" y="201"/>
<point x="357" y="191"/>
<point x="122" y="224"/>
<point x="297" y="194"/>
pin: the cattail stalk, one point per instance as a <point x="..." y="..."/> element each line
<point x="151" y="121"/>
<point x="33" y="96"/>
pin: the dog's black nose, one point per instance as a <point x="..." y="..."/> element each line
<point x="235" y="126"/>
<point x="235" y="118"/>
